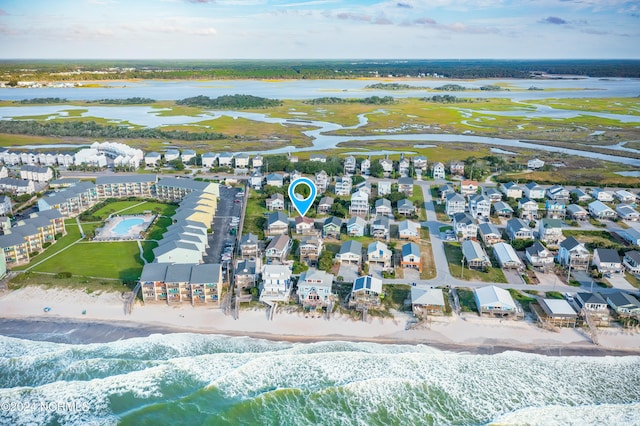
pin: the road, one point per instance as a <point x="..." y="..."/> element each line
<point x="443" y="275"/>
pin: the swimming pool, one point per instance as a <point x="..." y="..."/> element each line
<point x="123" y="228"/>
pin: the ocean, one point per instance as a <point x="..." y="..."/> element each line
<point x="197" y="379"/>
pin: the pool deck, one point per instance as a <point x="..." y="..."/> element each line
<point x="106" y="233"/>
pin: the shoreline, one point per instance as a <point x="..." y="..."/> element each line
<point x="76" y="317"/>
<point x="82" y="332"/>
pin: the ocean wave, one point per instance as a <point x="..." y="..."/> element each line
<point x="229" y="380"/>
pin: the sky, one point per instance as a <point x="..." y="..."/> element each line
<point x="319" y="29"/>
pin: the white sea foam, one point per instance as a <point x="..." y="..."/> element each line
<point x="602" y="414"/>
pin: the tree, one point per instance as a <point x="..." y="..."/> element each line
<point x="177" y="164"/>
<point x="376" y="169"/>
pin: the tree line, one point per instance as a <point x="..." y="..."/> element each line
<point x="230" y="102"/>
<point x="91" y="129"/>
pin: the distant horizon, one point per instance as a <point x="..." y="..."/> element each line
<point x="320" y="59"/>
<point x="317" y="29"/>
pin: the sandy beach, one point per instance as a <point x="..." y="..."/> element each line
<point x="78" y="317"/>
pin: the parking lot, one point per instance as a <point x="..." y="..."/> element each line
<point x="229" y="207"/>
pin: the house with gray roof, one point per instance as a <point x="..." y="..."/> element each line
<point x="427" y="301"/>
<point x="331" y="227"/>
<point x="350" y="253"/>
<point x="314" y="288"/>
<point x="599" y="210"/>
<point x="277" y="224"/>
<point x="474" y="255"/>
<point x="502" y="209"/>
<point x="406" y="207"/>
<point x="631" y="261"/>
<point x="383" y="207"/>
<point x="576" y="212"/>
<point x="495" y="301"/>
<point x="489" y="233"/>
<point x="517" y="229"/>
<point x="356" y="226"/>
<point x="623" y="303"/>
<point x="607" y="261"/>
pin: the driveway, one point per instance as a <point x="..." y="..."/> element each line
<point x="513" y="276"/>
<point x="411" y="275"/>
<point x="348" y="272"/>
<point x="619" y="282"/>
<point x="226" y="209"/>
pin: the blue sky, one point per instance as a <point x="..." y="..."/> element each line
<point x="276" y="29"/>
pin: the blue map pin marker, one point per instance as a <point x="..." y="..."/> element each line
<point x="302" y="205"/>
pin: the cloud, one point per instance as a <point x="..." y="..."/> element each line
<point x="594" y="32"/>
<point x="553" y="20"/>
<point x="404" y="5"/>
<point x="3" y="13"/>
<point x="425" y="21"/>
<point x="382" y="21"/>
<point x="353" y="16"/>
<point x="305" y="3"/>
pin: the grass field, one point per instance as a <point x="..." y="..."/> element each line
<point x="254" y="217"/>
<point x="593" y="239"/>
<point x="135" y="207"/>
<point x="120" y="260"/>
<point x="73" y="235"/>
<point x="454" y="256"/>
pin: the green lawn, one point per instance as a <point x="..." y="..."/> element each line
<point x="418" y="200"/>
<point x="147" y="249"/>
<point x="594" y="239"/>
<point x="158" y="228"/>
<point x="467" y="300"/>
<point x="254" y="216"/>
<point x="454" y="256"/>
<point x="134" y="207"/>
<point x="119" y="260"/>
<point x="73" y="234"/>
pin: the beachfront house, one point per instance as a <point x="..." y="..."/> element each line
<point x="495" y="301"/>
<point x="246" y="276"/>
<point x="607" y="261"/>
<point x="427" y="301"/>
<point x="365" y="292"/>
<point x="593" y="306"/>
<point x="314" y="288"/>
<point x="411" y="256"/>
<point x="276" y="283"/>
<point x="350" y="253"/>
<point x="555" y="312"/>
<point x="178" y="283"/>
<point x="623" y="303"/>
<point x="573" y="254"/>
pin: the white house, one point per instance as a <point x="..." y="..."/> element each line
<point x="384" y="187"/>
<point x="464" y="226"/>
<point x="625" y="196"/>
<point x="276" y="283"/>
<point x="479" y="205"/>
<point x="535" y="163"/>
<point x="359" y="203"/>
<point x="350" y="253"/>
<point x="534" y="191"/>
<point x="455" y="204"/>
<point x="496" y="301"/>
<point x="365" y="167"/>
<point x="314" y="288"/>
<point x="602" y="195"/>
<point x="626" y="212"/>
<point x="507" y="257"/>
<point x="599" y="210"/>
<point x="573" y="254"/>
<point x="539" y="257"/>
<point x="607" y="260"/>
<point x="517" y="229"/>
<point x="511" y="190"/>
<point x="378" y="254"/>
<point x="438" y="171"/>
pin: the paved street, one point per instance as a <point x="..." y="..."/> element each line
<point x="227" y="208"/>
<point x="443" y="276"/>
